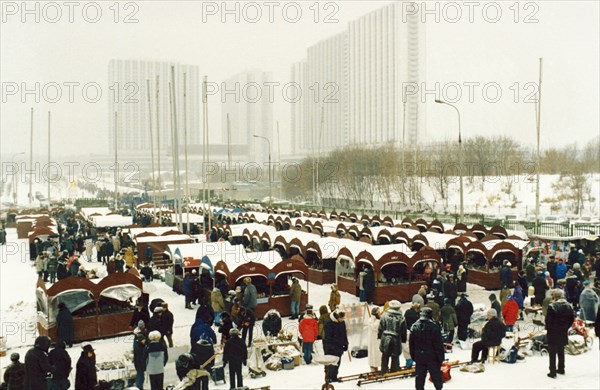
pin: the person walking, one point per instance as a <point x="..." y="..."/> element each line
<point x="156" y="357"/>
<point x="309" y="330"/>
<point x="369" y="284"/>
<point x="334" y="298"/>
<point x="295" y="296"/>
<point x="235" y="354"/>
<point x="61" y="361"/>
<point x="14" y="375"/>
<point x="491" y="336"/>
<point x="202" y="330"/>
<point x="392" y="333"/>
<point x="464" y="311"/>
<point x="85" y="375"/>
<point x="139" y="345"/>
<point x="427" y="349"/>
<point x="167" y="321"/>
<point x="335" y="341"/>
<point x="64" y="323"/>
<point x="559" y="319"/>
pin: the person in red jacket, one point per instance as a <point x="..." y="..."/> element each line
<point x="309" y="330"/>
<point x="510" y="313"/>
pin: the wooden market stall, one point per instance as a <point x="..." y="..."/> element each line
<point x="484" y="260"/>
<point x="270" y="274"/>
<point x="102" y="309"/>
<point x="158" y="243"/>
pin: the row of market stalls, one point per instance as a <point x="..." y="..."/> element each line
<point x="103" y="217"/>
<point x="100" y="307"/>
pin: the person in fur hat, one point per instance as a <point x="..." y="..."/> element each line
<point x="334" y="297"/>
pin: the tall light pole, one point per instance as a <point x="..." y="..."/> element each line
<point x="460" y="156"/>
<point x="280" y="166"/>
<point x="31" y="159"/>
<point x="268" y="142"/>
<point x="48" y="178"/>
<point x="116" y="166"/>
<point x="538" y="124"/>
<point x="15" y="178"/>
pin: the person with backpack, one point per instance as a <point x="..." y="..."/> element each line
<point x="235" y="354"/>
<point x="156" y="357"/>
<point x="392" y="333"/>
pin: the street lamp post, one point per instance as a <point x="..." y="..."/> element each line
<point x="460" y="156"/>
<point x="270" y="184"/>
<point x="15" y="178"/>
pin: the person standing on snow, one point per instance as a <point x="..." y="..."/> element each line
<point x="85" y="375"/>
<point x="335" y="341"/>
<point x="392" y="333"/>
<point x="427" y="349"/>
<point x="14" y="375"/>
<point x="559" y="319"/>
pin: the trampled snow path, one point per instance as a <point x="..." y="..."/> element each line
<point x="18" y="318"/>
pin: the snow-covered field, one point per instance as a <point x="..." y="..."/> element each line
<point x="18" y="317"/>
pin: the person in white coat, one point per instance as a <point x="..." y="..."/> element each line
<point x="373" y="348"/>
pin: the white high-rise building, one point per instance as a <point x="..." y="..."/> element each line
<point x="246" y="99"/>
<point x="370" y="64"/>
<point x="129" y="98"/>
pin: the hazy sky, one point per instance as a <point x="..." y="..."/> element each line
<point x="500" y="54"/>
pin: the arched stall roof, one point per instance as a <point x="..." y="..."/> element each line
<point x="437" y="225"/>
<point x="333" y="216"/>
<point x="536" y="245"/>
<point x="479" y="247"/>
<point x="499" y="232"/>
<point x="387" y="221"/>
<point x="247" y="264"/>
<point x="354" y="231"/>
<point x="459" y="243"/>
<point x="407" y="222"/>
<point x="437" y="241"/>
<point x="41" y="233"/>
<point x="425" y="254"/>
<point x="350" y="250"/>
<point x="422" y="224"/>
<point x="378" y="254"/>
<point x="155" y="231"/>
<point x="420" y="239"/>
<point x="193" y="255"/>
<point x="327" y="247"/>
<point x="461" y="228"/>
<point x="238" y="230"/>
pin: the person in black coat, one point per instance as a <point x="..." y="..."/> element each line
<point x="597" y="323"/>
<point x="559" y="319"/>
<point x="14" y="375"/>
<point x="183" y="365"/>
<point x="491" y="336"/>
<point x="225" y="327"/>
<point x="335" y="341"/>
<point x="427" y="349"/>
<point x="85" y="374"/>
<point x="37" y="365"/>
<point x="167" y="321"/>
<point x="506" y="276"/>
<point x="202" y="352"/>
<point x="551" y="267"/>
<point x="495" y="304"/>
<point x="155" y="322"/>
<point x="522" y="281"/>
<point x="271" y="323"/>
<point x="64" y="323"/>
<point x="411" y="315"/>
<point x="236" y="354"/>
<point x="450" y="290"/>
<point x="140" y="313"/>
<point x="464" y="311"/>
<point x="539" y="288"/>
<point x="61" y="361"/>
<point x="369" y="284"/>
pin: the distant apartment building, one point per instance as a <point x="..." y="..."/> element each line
<point x="368" y="65"/>
<point x="128" y="90"/>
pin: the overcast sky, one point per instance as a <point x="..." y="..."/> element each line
<point x="564" y="33"/>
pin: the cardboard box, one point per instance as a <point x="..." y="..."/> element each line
<point x="297" y="360"/>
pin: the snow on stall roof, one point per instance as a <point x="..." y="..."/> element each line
<point x="516" y="243"/>
<point x="289" y="235"/>
<point x="193" y="218"/>
<point x="172" y="237"/>
<point x="215" y="251"/>
<point x="238" y="230"/>
<point x="112" y="220"/>
<point x="87" y="211"/>
<point x="133" y="232"/>
<point x="240" y="257"/>
<point x="378" y="251"/>
<point x="438" y="240"/>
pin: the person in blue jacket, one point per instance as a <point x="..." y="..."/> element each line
<point x="201" y="330"/>
<point x="187" y="287"/>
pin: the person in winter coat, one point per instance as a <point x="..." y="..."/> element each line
<point x="335" y="341"/>
<point x="64" y="323"/>
<point x="309" y="330"/>
<point x="491" y="335"/>
<point x="571" y="289"/>
<point x="217" y="303"/>
<point x="74" y="267"/>
<point x="522" y="282"/>
<point x="551" y="267"/>
<point x="434" y="306"/>
<point x="202" y="352"/>
<point x="61" y="270"/>
<point x="495" y="304"/>
<point x="52" y="268"/>
<point x="39" y="265"/>
<point x="373" y="351"/>
<point x="597" y="323"/>
<point x="506" y="276"/>
<point x="201" y="330"/>
<point x="464" y="311"/>
<point x="295" y="296"/>
<point x="61" y="361"/>
<point x="539" y="289"/>
<point x="559" y="319"/>
<point x="561" y="270"/>
<point x="518" y="296"/>
<point x="449" y="319"/>
<point x="411" y="315"/>
<point x="573" y="256"/>
<point x="235" y="354"/>
<point x="392" y="333"/>
<point x="461" y="279"/>
<point x="271" y="323"/>
<point x="129" y="257"/>
<point x="225" y="326"/>
<point x="37" y="364"/>
<point x="183" y="365"/>
<point x="588" y="302"/>
<point x="427" y="349"/>
<point x="450" y="290"/>
<point x="250" y="294"/>
<point x="369" y="284"/>
<point x="187" y="287"/>
<point x="577" y="272"/>
<point x="14" y="375"/>
<point x="167" y="320"/>
<point x="120" y="266"/>
<point x="85" y="375"/>
<point x="334" y="298"/>
<point x="139" y="313"/>
<point x="155" y="323"/>
<point x="510" y="313"/>
<point x="247" y="320"/>
<point x="156" y="357"/>
<point x="111" y="266"/>
<point x="139" y="344"/>
<point x="323" y="318"/>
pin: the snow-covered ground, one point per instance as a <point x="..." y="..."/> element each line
<point x="18" y="318"/>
